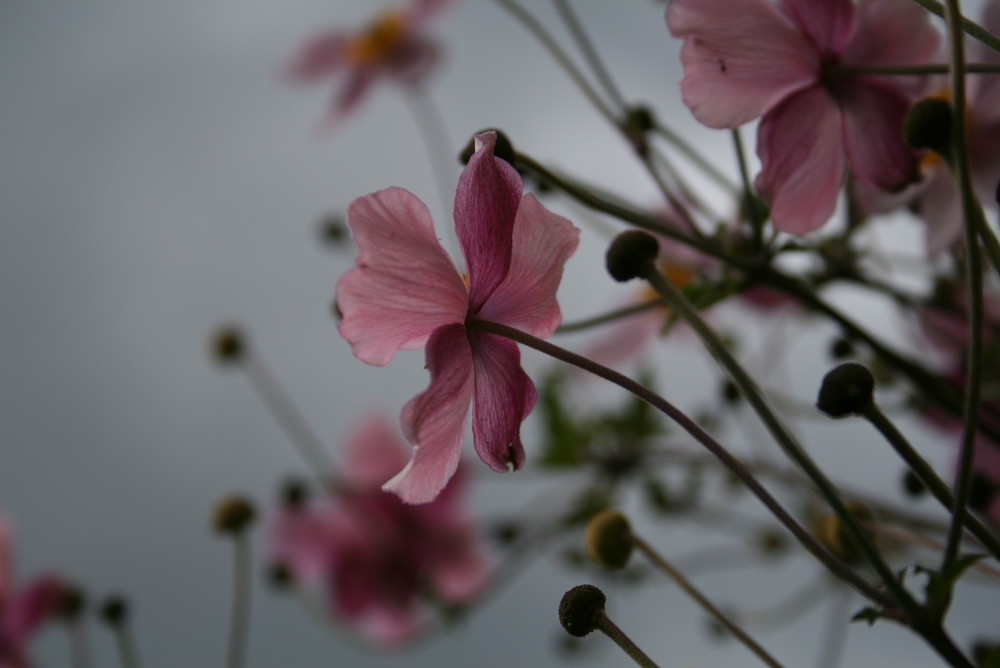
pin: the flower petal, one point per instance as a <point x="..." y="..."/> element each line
<point x="741" y="57"/>
<point x="526" y="299"/>
<point x="375" y="452"/>
<point x="434" y="420"/>
<point x="504" y="398"/>
<point x="873" y="134"/>
<point x="486" y="202"/>
<point x="33" y="605"/>
<point x="403" y="285"/>
<point x="802" y="159"/>
<point x="891" y="32"/>
<point x="320" y="57"/>
<point x="828" y="23"/>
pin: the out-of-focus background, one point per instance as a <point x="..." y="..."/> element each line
<point x="159" y="176"/>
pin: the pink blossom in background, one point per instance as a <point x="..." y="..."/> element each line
<point x="23" y="609"/>
<point x="375" y="557"/>
<point x="745" y="59"/>
<point x="393" y="47"/>
<point x="940" y="205"/>
<point x="405" y="293"/>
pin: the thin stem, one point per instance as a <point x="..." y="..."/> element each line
<point x="927" y="475"/>
<point x="928" y="68"/>
<point x="824" y="556"/>
<point x="974" y="366"/>
<point x="611" y="630"/>
<point x="779" y="432"/>
<point x="126" y="646"/>
<point x="970" y="27"/>
<point x="276" y="400"/>
<point x="913" y="538"/>
<point x="695" y="157"/>
<point x="617" y="314"/>
<point x="79" y="648"/>
<point x="589" y="52"/>
<point x="240" y="613"/>
<point x="835" y="637"/>
<point x="660" y="562"/>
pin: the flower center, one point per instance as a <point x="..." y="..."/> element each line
<point x="379" y="40"/>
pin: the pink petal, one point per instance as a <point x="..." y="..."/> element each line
<point x="420" y="11"/>
<point x="403" y="285"/>
<point x="891" y="32"/>
<point x="526" y="299"/>
<point x="504" y="398"/>
<point x="33" y="605"/>
<point x="873" y="134"/>
<point x="434" y="420"/>
<point x="462" y="571"/>
<point x="300" y="540"/>
<point x="628" y="338"/>
<point x="486" y="201"/>
<point x="941" y="210"/>
<point x="803" y="161"/>
<point x="351" y="93"/>
<point x="320" y="57"/>
<point x="828" y="23"/>
<point x="741" y="57"/>
<point x="375" y="452"/>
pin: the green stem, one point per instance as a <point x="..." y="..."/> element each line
<point x="617" y="314"/>
<point x="974" y="365"/>
<point x="660" y="562"/>
<point x="927" y="475"/>
<point x="611" y="630"/>
<point x="126" y="646"/>
<point x="240" y="614"/>
<point x="971" y="28"/>
<point x="695" y="157"/>
<point x="824" y="556"/>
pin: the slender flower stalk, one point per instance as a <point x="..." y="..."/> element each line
<point x="835" y="565"/>
<point x="115" y="613"/>
<point x="661" y="562"/>
<point x="969" y="26"/>
<point x="581" y="611"/>
<point x="591" y="55"/>
<point x="240" y="614"/>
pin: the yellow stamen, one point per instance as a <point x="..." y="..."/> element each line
<point x="379" y="40"/>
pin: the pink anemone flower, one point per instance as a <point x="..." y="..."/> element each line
<point x="22" y="609"/>
<point x="745" y="59"/>
<point x="373" y="555"/>
<point x="405" y="293"/>
<point x="392" y="47"/>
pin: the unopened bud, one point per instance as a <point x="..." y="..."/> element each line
<point x="72" y="602"/>
<point x="233" y="514"/>
<point x="846" y="390"/>
<point x="629" y="252"/>
<point x="581" y="610"/>
<point x="228" y="345"/>
<point x="927" y="125"/>
<point x="609" y="539"/>
<point x="114" y="610"/>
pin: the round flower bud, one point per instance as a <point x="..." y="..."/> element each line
<point x="927" y="125"/>
<point x="72" y="602"/>
<point x="846" y="390"/>
<point x="581" y="610"/>
<point x="233" y="514"/>
<point x="608" y="539"/>
<point x="228" y="345"/>
<point x="629" y="252"/>
<point x="279" y="576"/>
<point x="503" y="149"/>
<point x="114" y="610"/>
<point x="294" y="494"/>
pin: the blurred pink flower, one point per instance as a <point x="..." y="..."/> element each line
<point x="745" y="59"/>
<point x="393" y="47"/>
<point x="375" y="556"/>
<point x="22" y="609"/>
<point x="940" y="205"/>
<point x="404" y="293"/>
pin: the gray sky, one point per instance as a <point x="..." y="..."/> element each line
<point x="158" y="177"/>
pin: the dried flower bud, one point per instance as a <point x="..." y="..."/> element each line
<point x="233" y="514"/>
<point x="581" y="610"/>
<point x="608" y="539"/>
<point x="846" y="390"/>
<point x="629" y="252"/>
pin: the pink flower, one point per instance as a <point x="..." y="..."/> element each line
<point x="745" y="59"/>
<point x="404" y="293"/>
<point x="392" y="47"/>
<point x="372" y="554"/>
<point x="939" y="203"/>
<point x="22" y="609"/>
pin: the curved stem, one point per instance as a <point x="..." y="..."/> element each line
<point x="824" y="556"/>
<point x="660" y="562"/>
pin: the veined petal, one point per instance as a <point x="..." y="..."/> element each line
<point x="803" y="161"/>
<point x="434" y="420"/>
<point x="504" y="397"/>
<point x="486" y="200"/>
<point x="828" y="23"/>
<point x="403" y="285"/>
<point x="526" y="299"/>
<point x="872" y="114"/>
<point x="741" y="57"/>
<point x="891" y="32"/>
